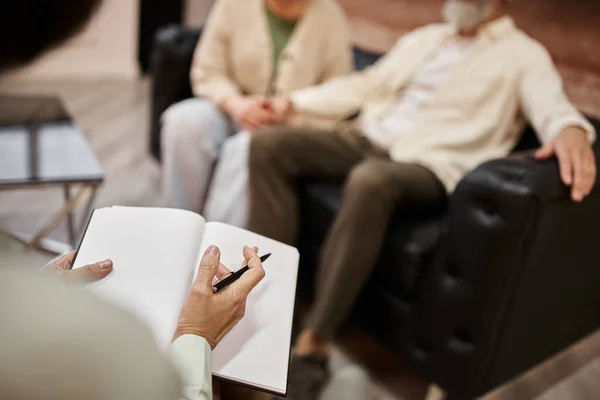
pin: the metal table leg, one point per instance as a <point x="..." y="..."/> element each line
<point x="87" y="211"/>
<point x="67" y="212"/>
<point x="68" y="208"/>
<point x="70" y="223"/>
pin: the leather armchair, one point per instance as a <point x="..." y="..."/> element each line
<point x="474" y="295"/>
<point x="469" y="295"/>
<point x="170" y="61"/>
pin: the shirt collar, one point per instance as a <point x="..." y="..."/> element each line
<point x="494" y="30"/>
<point x="499" y="28"/>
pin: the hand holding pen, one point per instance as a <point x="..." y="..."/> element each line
<point x="212" y="315"/>
<point x="230" y="277"/>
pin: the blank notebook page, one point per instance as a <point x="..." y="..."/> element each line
<point x="256" y="352"/>
<point x="154" y="253"/>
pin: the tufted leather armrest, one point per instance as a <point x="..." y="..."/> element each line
<point x="539" y="177"/>
<point x="491" y="303"/>
<point x="523" y="172"/>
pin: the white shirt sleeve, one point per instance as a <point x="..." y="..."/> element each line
<point x="191" y="355"/>
<point x="556" y="127"/>
<point x="544" y="101"/>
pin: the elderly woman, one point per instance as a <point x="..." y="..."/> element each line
<point x="250" y="50"/>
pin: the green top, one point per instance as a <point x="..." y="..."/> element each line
<point x="281" y="30"/>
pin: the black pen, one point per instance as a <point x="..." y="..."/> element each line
<point x="229" y="279"/>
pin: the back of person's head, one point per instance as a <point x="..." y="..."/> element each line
<point x="59" y="342"/>
<point x="30" y="27"/>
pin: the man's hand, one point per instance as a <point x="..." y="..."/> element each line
<point x="89" y="273"/>
<point x="576" y="160"/>
<point x="251" y="112"/>
<point x="211" y="315"/>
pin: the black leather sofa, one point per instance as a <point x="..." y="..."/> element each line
<point x="503" y="277"/>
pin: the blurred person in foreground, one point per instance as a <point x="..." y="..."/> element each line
<point x="57" y="340"/>
<point x="249" y="50"/>
<point x="447" y="98"/>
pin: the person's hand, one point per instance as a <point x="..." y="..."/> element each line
<point x="576" y="160"/>
<point x="282" y="107"/>
<point x="251" y="112"/>
<point x="211" y="315"/>
<point x="89" y="273"/>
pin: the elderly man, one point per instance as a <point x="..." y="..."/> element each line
<point x="445" y="99"/>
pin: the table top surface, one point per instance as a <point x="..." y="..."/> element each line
<point x="40" y="145"/>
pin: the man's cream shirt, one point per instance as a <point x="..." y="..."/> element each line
<point x="476" y="116"/>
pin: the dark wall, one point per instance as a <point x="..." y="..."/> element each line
<point x="153" y="15"/>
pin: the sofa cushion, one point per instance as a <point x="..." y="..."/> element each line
<point x="412" y="240"/>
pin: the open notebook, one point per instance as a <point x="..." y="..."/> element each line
<point x="156" y="252"/>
